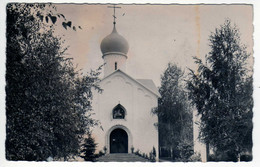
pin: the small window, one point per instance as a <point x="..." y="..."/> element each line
<point x="115" y="65"/>
<point x="119" y="112"/>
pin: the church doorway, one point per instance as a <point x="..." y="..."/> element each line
<point x="118" y="141"/>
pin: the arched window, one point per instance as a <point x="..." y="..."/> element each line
<point x="119" y="112"/>
<point x="115" y="65"/>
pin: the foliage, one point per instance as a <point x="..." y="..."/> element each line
<point x="174" y="112"/>
<point x="152" y="155"/>
<point x="221" y="89"/>
<point x="88" y="149"/>
<point x="47" y="101"/>
<point x="100" y="153"/>
<point x="137" y="152"/>
<point x="186" y="151"/>
<point x="196" y="157"/>
<point x="105" y="149"/>
<point x="132" y="149"/>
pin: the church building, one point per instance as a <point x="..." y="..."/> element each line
<point x="124" y="108"/>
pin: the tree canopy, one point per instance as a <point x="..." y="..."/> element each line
<point x="48" y="102"/>
<point x="175" y="115"/>
<point x="221" y="89"/>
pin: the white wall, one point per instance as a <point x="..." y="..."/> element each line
<point x="138" y="122"/>
<point x="110" y="60"/>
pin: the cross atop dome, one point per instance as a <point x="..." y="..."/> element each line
<point x="114" y="15"/>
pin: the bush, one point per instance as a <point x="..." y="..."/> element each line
<point x="100" y="153"/>
<point x="195" y="157"/>
<point x="185" y="151"/>
<point x="132" y="149"/>
<point x="88" y="149"/>
<point x="105" y="149"/>
<point x="137" y="152"/>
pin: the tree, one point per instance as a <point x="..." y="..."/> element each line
<point x="88" y="149"/>
<point x="221" y="90"/>
<point x="174" y="113"/>
<point x="48" y="102"/>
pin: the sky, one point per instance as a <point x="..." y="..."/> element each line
<point x="157" y="34"/>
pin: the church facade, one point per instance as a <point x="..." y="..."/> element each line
<point x="124" y="108"/>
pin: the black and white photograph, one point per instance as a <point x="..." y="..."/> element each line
<point x="129" y="82"/>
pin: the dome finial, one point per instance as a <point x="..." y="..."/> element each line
<point x="114" y="16"/>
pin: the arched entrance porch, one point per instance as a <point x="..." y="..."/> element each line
<point x="122" y="140"/>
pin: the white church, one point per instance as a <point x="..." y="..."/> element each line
<point x="124" y="108"/>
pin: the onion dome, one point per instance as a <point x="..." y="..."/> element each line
<point x="114" y="44"/>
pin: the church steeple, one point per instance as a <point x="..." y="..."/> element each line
<point x="114" y="48"/>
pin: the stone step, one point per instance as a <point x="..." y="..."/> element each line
<point x="121" y="157"/>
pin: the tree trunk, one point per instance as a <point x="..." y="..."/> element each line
<point x="207" y="152"/>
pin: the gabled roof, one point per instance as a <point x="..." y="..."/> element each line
<point x="148" y="84"/>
